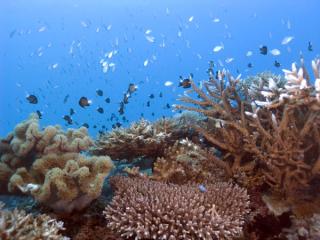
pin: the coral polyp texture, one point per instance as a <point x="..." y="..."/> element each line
<point x="272" y="128"/>
<point x="147" y="209"/>
<point x="49" y="165"/>
<point x="145" y="139"/>
<point x="17" y="224"/>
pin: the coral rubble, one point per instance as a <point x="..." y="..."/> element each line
<point x="153" y="210"/>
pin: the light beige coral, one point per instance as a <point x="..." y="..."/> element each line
<point x="17" y="224"/>
<point x="49" y="165"/>
<point x="64" y="182"/>
<point x="147" y="209"/>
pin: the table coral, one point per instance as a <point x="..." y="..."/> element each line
<point x="147" y="209"/>
<point x="17" y="224"/>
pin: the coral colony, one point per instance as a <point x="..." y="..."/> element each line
<point x="241" y="161"/>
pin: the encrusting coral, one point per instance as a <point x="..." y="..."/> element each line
<point x="273" y="129"/>
<point x="48" y="165"/>
<point x="17" y="224"/>
<point x="147" y="209"/>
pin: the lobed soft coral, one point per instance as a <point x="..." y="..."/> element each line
<point x="147" y="209"/>
<point x="17" y="224"/>
<point x="49" y="165"/>
<point x="64" y="182"/>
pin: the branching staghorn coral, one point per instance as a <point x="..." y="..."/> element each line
<point x="148" y="209"/>
<point x="17" y="224"/>
<point x="276" y="131"/>
<point x="48" y="165"/>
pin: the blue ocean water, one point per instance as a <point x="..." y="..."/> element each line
<point x="54" y="49"/>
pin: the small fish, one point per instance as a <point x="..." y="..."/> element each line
<point x="263" y="50"/>
<point x="99" y="92"/>
<point x="65" y="100"/>
<point x="150" y="39"/>
<point x="250" y="65"/>
<point x="39" y="114"/>
<point x="145" y="63"/>
<point x="71" y="111"/>
<point x="107" y="100"/>
<point x="287" y="40"/>
<point x="85" y="125"/>
<point x="229" y="60"/>
<point x="160" y="94"/>
<point x="191" y="19"/>
<point x="276" y="64"/>
<point x="216" y="20"/>
<point x="218" y="48"/>
<point x="168" y="83"/>
<point x="148" y="31"/>
<point x="249" y="53"/>
<point x="168" y="105"/>
<point x="132" y="88"/>
<point x="275" y="52"/>
<point x="32" y="99"/>
<point x="202" y="188"/>
<point x="54" y="66"/>
<point x="84" y="102"/>
<point x="310" y="48"/>
<point x="121" y="108"/>
<point x="94" y="126"/>
<point x="151" y="96"/>
<point x="42" y="29"/>
<point x="152" y="114"/>
<point x="148" y="103"/>
<point x="100" y="110"/>
<point x="68" y="119"/>
<point x="185" y="83"/>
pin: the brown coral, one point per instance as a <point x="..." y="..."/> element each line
<point x="154" y="210"/>
<point x="17" y="224"/>
<point x="186" y="162"/>
<point x="274" y="132"/>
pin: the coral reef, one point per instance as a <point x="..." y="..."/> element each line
<point x="17" y="224"/>
<point x="273" y="131"/>
<point x="184" y="162"/>
<point x="48" y="165"/>
<point x="148" y="209"/>
<point x="145" y="139"/>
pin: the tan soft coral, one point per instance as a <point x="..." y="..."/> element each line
<point x="64" y="182"/>
<point x="17" y="224"/>
<point x="147" y="209"/>
<point x="48" y="165"/>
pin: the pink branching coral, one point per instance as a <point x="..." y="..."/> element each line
<point x="17" y="224"/>
<point x="148" y="209"/>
